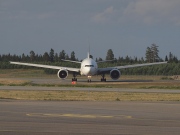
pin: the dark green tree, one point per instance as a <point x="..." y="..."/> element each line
<point x="152" y="53"/>
<point x="166" y="58"/>
<point x="51" y="55"/>
<point x="175" y="59"/>
<point x="155" y="52"/>
<point x="56" y="58"/>
<point x="23" y="58"/>
<point x="148" y="54"/>
<point x="62" y="55"/>
<point x="110" y="55"/>
<point x="32" y="55"/>
<point x="67" y="57"/>
<point x="90" y="56"/>
<point x="99" y="59"/>
<point x="73" y="56"/>
<point x="127" y="60"/>
<point x="46" y="57"/>
<point x="170" y="57"/>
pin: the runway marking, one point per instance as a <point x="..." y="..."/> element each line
<point x="27" y="131"/>
<point x="93" y="116"/>
<point x="157" y="120"/>
<point x="77" y="115"/>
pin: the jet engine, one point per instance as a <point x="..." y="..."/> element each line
<point x="62" y="74"/>
<point x="115" y="74"/>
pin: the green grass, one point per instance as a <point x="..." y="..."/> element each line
<point x="87" y="96"/>
<point x="134" y="85"/>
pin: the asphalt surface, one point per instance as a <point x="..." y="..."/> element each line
<point x="79" y="118"/>
<point x="88" y="117"/>
<point x="87" y="89"/>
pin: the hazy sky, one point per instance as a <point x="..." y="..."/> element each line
<point x="127" y="27"/>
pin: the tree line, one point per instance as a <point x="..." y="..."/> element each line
<point x="54" y="58"/>
<point x="32" y="57"/>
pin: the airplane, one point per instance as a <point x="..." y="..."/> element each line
<point x="89" y="68"/>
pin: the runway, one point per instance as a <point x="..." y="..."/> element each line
<point x="79" y="118"/>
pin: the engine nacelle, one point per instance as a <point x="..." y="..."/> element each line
<point x="115" y="74"/>
<point x="62" y="74"/>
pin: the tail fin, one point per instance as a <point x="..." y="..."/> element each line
<point x="89" y="52"/>
<point x="88" y="55"/>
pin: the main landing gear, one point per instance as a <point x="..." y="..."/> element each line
<point x="103" y="79"/>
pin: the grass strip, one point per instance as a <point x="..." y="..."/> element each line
<point x="87" y="96"/>
<point x="143" y="85"/>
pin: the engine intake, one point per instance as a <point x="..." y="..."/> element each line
<point x="115" y="74"/>
<point x="62" y="74"/>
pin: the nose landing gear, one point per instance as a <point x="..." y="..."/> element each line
<point x="89" y="78"/>
<point x="74" y="79"/>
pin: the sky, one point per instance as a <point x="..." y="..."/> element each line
<point x="127" y="27"/>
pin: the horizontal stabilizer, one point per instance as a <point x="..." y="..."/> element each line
<point x="71" y="61"/>
<point x="105" y="61"/>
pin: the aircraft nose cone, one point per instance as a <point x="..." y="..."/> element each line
<point x="87" y="71"/>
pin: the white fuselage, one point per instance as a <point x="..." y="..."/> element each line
<point x="88" y="67"/>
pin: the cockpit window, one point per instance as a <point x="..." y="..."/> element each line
<point x="89" y="65"/>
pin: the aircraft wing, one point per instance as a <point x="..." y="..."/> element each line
<point x="46" y="66"/>
<point x="108" y="69"/>
<point x="140" y="65"/>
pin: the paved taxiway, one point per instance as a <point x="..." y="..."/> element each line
<point x="87" y="117"/>
<point x="67" y="117"/>
<point x="87" y="89"/>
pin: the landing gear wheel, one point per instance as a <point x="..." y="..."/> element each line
<point x="103" y="79"/>
<point x="89" y="80"/>
<point x="74" y="79"/>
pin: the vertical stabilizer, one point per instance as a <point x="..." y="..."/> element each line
<point x="88" y="55"/>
